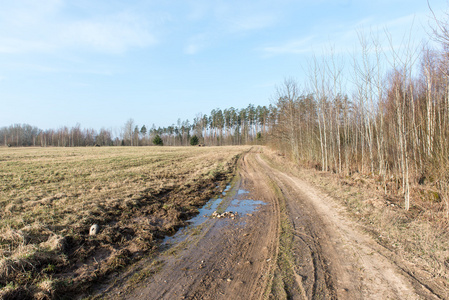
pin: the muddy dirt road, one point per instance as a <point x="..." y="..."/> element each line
<point x="287" y="240"/>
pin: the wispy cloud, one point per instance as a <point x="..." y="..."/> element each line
<point x="48" y="28"/>
<point x="344" y="38"/>
<point x="252" y="22"/>
<point x="196" y="43"/>
<point x="113" y="34"/>
<point x="192" y="49"/>
<point x="18" y="45"/>
<point x="222" y="21"/>
<point x="298" y="46"/>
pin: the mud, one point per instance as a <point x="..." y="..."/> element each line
<point x="289" y="241"/>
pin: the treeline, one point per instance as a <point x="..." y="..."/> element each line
<point x="230" y="126"/>
<point x="22" y="135"/>
<point x="221" y="127"/>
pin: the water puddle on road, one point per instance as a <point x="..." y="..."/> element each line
<point x="243" y="207"/>
<point x="231" y="201"/>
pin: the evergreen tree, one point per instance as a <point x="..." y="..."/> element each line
<point x="158" y="141"/>
<point x="194" y="140"/>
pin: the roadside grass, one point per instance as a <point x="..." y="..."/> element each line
<point x="419" y="236"/>
<point x="51" y="196"/>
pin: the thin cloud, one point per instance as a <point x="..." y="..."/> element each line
<point x="252" y="22"/>
<point x="192" y="49"/>
<point x="299" y="46"/>
<point x="48" y="29"/>
<point x="345" y="39"/>
<point x="15" y="45"/>
<point x="196" y="44"/>
<point x="114" y="35"/>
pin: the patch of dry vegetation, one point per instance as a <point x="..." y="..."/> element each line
<point x="51" y="196"/>
<point x="420" y="236"/>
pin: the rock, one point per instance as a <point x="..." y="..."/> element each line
<point x="94" y="229"/>
<point x="226" y="214"/>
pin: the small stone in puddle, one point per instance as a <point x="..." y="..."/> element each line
<point x="226" y="214"/>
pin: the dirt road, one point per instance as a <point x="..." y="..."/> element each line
<point x="288" y="240"/>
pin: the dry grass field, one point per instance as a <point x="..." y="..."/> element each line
<point x="51" y="196"/>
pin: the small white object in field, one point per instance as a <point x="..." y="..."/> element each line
<point x="94" y="229"/>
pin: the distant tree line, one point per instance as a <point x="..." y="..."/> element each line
<point x="221" y="127"/>
<point x="20" y="135"/>
<point x="230" y="126"/>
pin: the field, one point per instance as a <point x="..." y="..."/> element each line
<point x="50" y="197"/>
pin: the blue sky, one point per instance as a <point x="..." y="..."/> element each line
<point x="99" y="63"/>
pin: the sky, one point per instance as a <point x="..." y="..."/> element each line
<point x="101" y="62"/>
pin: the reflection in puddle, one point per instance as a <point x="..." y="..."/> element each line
<point x="205" y="212"/>
<point x="226" y="189"/>
<point x="241" y="207"/>
<point x="242" y="192"/>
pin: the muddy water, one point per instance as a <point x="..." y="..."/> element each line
<point x="243" y="207"/>
<point x="232" y="200"/>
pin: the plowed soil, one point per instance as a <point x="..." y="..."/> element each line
<point x="300" y="244"/>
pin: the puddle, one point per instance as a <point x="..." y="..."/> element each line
<point x="203" y="214"/>
<point x="242" y="192"/>
<point x="242" y="207"/>
<point x="228" y="187"/>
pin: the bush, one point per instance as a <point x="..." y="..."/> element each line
<point x="158" y="141"/>
<point x="194" y="140"/>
